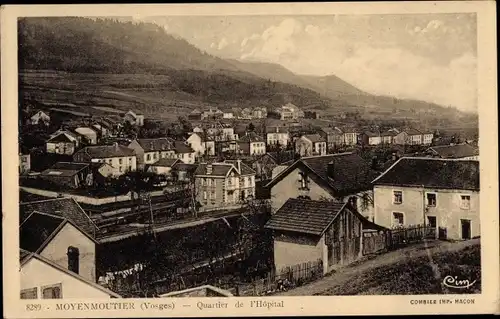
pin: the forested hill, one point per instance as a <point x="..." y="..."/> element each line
<point x="104" y="45"/>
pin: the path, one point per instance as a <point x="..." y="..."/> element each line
<point x="345" y="274"/>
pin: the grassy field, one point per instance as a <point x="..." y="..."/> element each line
<point x="416" y="276"/>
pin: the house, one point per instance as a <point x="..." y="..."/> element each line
<point x="57" y="281"/>
<point x="277" y="136"/>
<point x="183" y="172"/>
<point x="252" y="144"/>
<point x="39" y="117"/>
<point x="307" y="230"/>
<point x="134" y="118"/>
<point x="201" y="146"/>
<point x="310" y="145"/>
<point x="63" y="142"/>
<point x="440" y="193"/>
<point x="350" y="136"/>
<point x="409" y="137"/>
<point x="333" y="136"/>
<point x="221" y="184"/>
<point x="75" y="175"/>
<point x="427" y="137"/>
<point x="370" y="138"/>
<point x="259" y="113"/>
<point x="456" y="151"/>
<point x="227" y="115"/>
<point x="121" y="158"/>
<point x="341" y="176"/>
<point x="212" y="114"/>
<point x="246" y="114"/>
<point x="24" y="163"/>
<point x="163" y="166"/>
<point x="388" y="136"/>
<point x="89" y="133"/>
<point x="288" y="112"/>
<point x="194" y="115"/>
<point x="221" y="132"/>
<point x="150" y="150"/>
<point x="59" y="229"/>
<point x="103" y="131"/>
<point x="265" y="164"/>
<point x="184" y="152"/>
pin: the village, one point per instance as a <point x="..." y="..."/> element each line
<point x="240" y="202"/>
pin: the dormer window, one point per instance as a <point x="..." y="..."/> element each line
<point x="73" y="259"/>
<point x="304" y="181"/>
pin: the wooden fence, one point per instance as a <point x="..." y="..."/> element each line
<point x="374" y="242"/>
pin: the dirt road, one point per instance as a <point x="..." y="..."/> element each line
<point x="348" y="273"/>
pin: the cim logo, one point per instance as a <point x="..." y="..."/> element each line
<point x="454" y="282"/>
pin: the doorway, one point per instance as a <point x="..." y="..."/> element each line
<point x="466" y="229"/>
<point x="432" y="226"/>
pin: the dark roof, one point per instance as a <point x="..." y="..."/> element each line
<point x="305" y="216"/>
<point x="314" y="138"/>
<point x="36" y="229"/>
<point x="276" y="129"/>
<point x="63" y="207"/>
<point x="412" y="131"/>
<point x="331" y="130"/>
<point x="389" y="133"/>
<point x="350" y="173"/>
<point x="106" y="151"/>
<point x="432" y="172"/>
<point x="182" y="147"/>
<point x="180" y="166"/>
<point x="61" y="137"/>
<point x="251" y="137"/>
<point x="165" y="162"/>
<point x="64" y="169"/>
<point x="371" y="134"/>
<point x="281" y="157"/>
<point x="455" y="151"/>
<point x="156" y="144"/>
<point x="218" y="169"/>
<point x="245" y="169"/>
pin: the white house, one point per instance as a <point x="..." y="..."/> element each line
<point x="40" y="117"/>
<point x="310" y="145"/>
<point x="277" y="136"/>
<point x="121" y="158"/>
<point x="150" y="150"/>
<point x="441" y="193"/>
<point x="89" y="133"/>
<point x="201" y="146"/>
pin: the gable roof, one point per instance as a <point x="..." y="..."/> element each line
<point x="412" y="131"/>
<point x="156" y="144"/>
<point x="432" y="172"/>
<point x="311" y="216"/>
<point x="60" y="137"/>
<point x="182" y="148"/>
<point x="350" y="172"/>
<point x="65" y="207"/>
<point x="455" y="151"/>
<point x="251" y="137"/>
<point x="218" y="169"/>
<point x="36" y="229"/>
<point x="27" y="256"/>
<point x="371" y="134"/>
<point x="165" y="162"/>
<point x="315" y="138"/>
<point x="107" y="151"/>
<point x="244" y="168"/>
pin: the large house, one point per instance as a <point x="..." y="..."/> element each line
<point x="277" y="136"/>
<point x="201" y="146"/>
<point x="89" y="133"/>
<point x="342" y="176"/>
<point x="413" y="137"/>
<point x="57" y="240"/>
<point x="134" y="118"/>
<point x="63" y="142"/>
<point x="333" y="135"/>
<point x="370" y="138"/>
<point x="75" y="175"/>
<point x="456" y="151"/>
<point x="388" y="136"/>
<point x="350" y="136"/>
<point x="289" y="111"/>
<point x="150" y="150"/>
<point x="121" y="158"/>
<point x="221" y="184"/>
<point x="440" y="193"/>
<point x="184" y="152"/>
<point x="310" y="145"/>
<point x="307" y="230"/>
<point x="252" y="144"/>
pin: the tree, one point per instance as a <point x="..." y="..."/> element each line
<point x="251" y="127"/>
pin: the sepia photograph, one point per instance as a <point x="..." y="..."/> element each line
<point x="265" y="155"/>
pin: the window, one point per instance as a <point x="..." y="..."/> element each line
<point x="120" y="161"/>
<point x="431" y="199"/>
<point x="465" y="201"/>
<point x="209" y="182"/>
<point x="204" y="195"/>
<point x="130" y="159"/>
<point x="398" y="197"/>
<point x="121" y="169"/>
<point x="30" y="293"/>
<point x="213" y="196"/>
<point x="52" y="292"/>
<point x="397" y="219"/>
<point x="148" y="157"/>
<point x="73" y="259"/>
<point x="304" y="183"/>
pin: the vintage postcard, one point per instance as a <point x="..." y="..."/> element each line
<point x="206" y="160"/>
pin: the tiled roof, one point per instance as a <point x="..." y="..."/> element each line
<point x="156" y="144"/>
<point x="432" y="172"/>
<point x="314" y="138"/>
<point x="179" y="166"/>
<point x="181" y="147"/>
<point x="61" y="137"/>
<point x="165" y="162"/>
<point x="350" y="173"/>
<point x="245" y="169"/>
<point x="305" y="216"/>
<point x="63" y="207"/>
<point x="36" y="229"/>
<point x="371" y="134"/>
<point x="251" y="137"/>
<point x="455" y="151"/>
<point x="218" y="169"/>
<point x="64" y="169"/>
<point x="107" y="151"/>
<point x="412" y="131"/>
<point x="389" y="133"/>
<point x="281" y="157"/>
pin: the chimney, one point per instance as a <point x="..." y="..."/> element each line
<point x="209" y="169"/>
<point x="330" y="169"/>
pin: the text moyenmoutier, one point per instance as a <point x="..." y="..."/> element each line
<point x="82" y="306"/>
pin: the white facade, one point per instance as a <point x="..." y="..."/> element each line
<point x="120" y="165"/>
<point x="280" y="138"/>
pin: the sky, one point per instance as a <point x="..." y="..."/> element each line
<point x="430" y="57"/>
